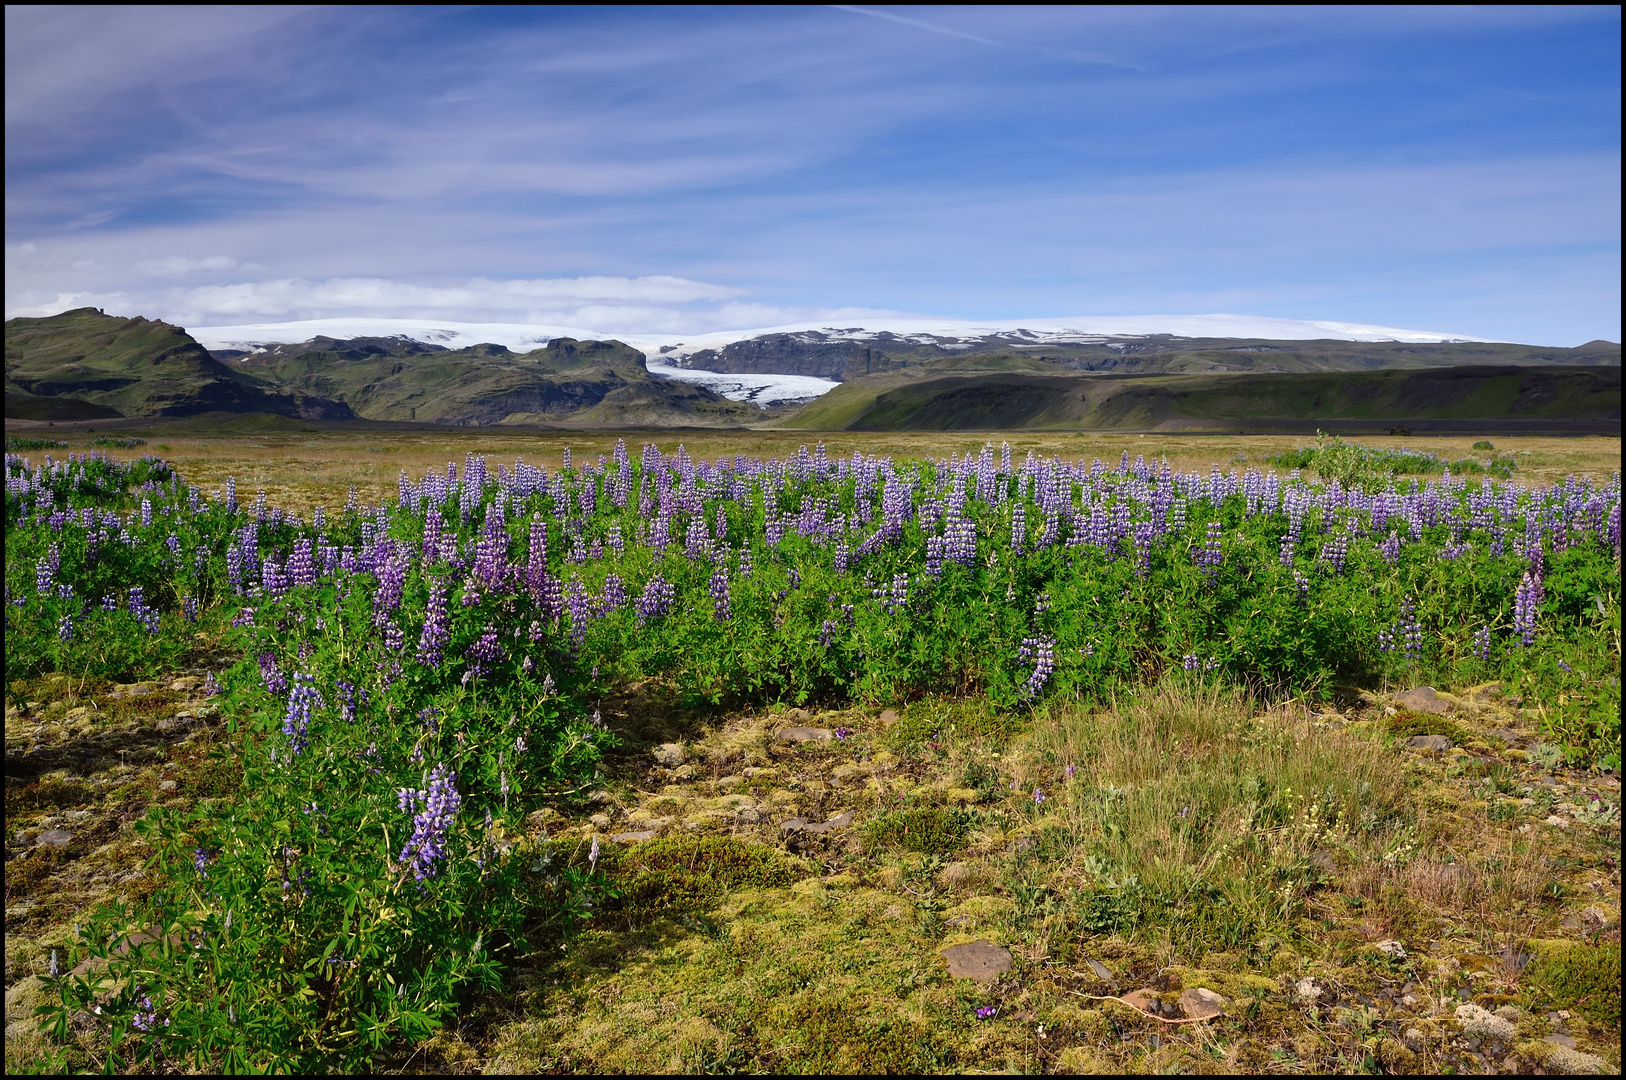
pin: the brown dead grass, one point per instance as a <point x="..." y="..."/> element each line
<point x="301" y="469"/>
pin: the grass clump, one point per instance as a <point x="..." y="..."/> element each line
<point x="1187" y="814"/>
<point x="117" y="443"/>
<point x="1581" y="978"/>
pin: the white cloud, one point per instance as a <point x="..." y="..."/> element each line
<point x="177" y="264"/>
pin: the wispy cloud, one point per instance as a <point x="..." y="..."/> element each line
<point x="953" y="160"/>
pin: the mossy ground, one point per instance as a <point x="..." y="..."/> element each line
<point x="87" y="758"/>
<point x="1197" y="841"/>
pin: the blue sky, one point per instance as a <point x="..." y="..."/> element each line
<point x="682" y="170"/>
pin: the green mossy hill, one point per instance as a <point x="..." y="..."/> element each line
<point x="569" y="381"/>
<point x="84" y="360"/>
<point x="962" y="395"/>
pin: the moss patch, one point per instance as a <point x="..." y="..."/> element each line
<point x="930" y="830"/>
<point x="684" y="872"/>
<point x="1582" y="978"/>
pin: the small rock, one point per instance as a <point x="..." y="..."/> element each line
<point x="166" y="785"/>
<point x="803" y="734"/>
<point x="1201" y="1004"/>
<point x="888" y="717"/>
<point x="669" y="754"/>
<point x="683" y="772"/>
<point x="602" y="821"/>
<point x="633" y="837"/>
<point x="1100" y="970"/>
<point x="57" y="838"/>
<point x="730" y="782"/>
<point x="980" y="960"/>
<point x="1391" y="948"/>
<point x="1556" y="822"/>
<point x="142" y="688"/>
<point x="1142" y="999"/>
<point x="1566" y="1041"/>
<point x="794" y="824"/>
<point x="1422" y="699"/>
<point x="1416" y="1040"/>
<point x="1477" y="1023"/>
<point x="1429" y="742"/>
<point x="1307" y="990"/>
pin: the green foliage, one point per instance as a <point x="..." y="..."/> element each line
<point x="1405" y="724"/>
<point x="116" y="443"/>
<point x="1484" y="444"/>
<point x="20" y="443"/>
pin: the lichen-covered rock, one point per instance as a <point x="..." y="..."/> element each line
<point x="1480" y="1023"/>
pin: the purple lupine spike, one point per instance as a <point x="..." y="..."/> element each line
<point x="436" y="632"/>
<point x="1041" y="650"/>
<point x="485" y="653"/>
<point x="303" y="699"/>
<point x="719" y="594"/>
<point x="656" y="599"/>
<point x="1526" y="605"/>
<point x="434" y="810"/>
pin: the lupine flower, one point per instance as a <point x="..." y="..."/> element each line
<point x="1040" y="650"/>
<point x="987" y="1012"/>
<point x="1070" y="770"/>
<point x="719" y="594"/>
<point x="1038" y="796"/>
<point x="271" y="675"/>
<point x="433" y="808"/>
<point x="842" y="733"/>
<point x="592" y="855"/>
<point x="302" y="701"/>
<point x="485" y="653"/>
<point x="656" y="599"/>
<point x="1482" y="643"/>
<point x="45" y="571"/>
<point x="435" y="630"/>
<point x="1526" y="603"/>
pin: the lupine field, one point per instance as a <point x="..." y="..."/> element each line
<point x="414" y="679"/>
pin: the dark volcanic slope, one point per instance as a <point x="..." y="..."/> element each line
<point x="1504" y="397"/>
<point x="813" y="352"/>
<point x="133" y="367"/>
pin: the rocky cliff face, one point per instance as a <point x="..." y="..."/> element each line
<point x="811" y="353"/>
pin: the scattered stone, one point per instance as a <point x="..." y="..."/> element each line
<point x="669" y="754"/>
<point x="1391" y="948"/>
<point x="979" y="960"/>
<point x="633" y="837"/>
<point x="1477" y="1023"/>
<point x="1429" y="742"/>
<point x="1556" y="822"/>
<point x="1422" y="699"/>
<point x="57" y="838"/>
<point x="167" y="785"/>
<point x="142" y="688"/>
<point x="1143" y="999"/>
<point x="683" y="772"/>
<point x="1200" y="1004"/>
<point x="1416" y="1040"/>
<point x="730" y="782"/>
<point x="1566" y="1041"/>
<point x="1100" y="970"/>
<point x="888" y="717"/>
<point x="601" y="821"/>
<point x="804" y="734"/>
<point x="1307" y="990"/>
